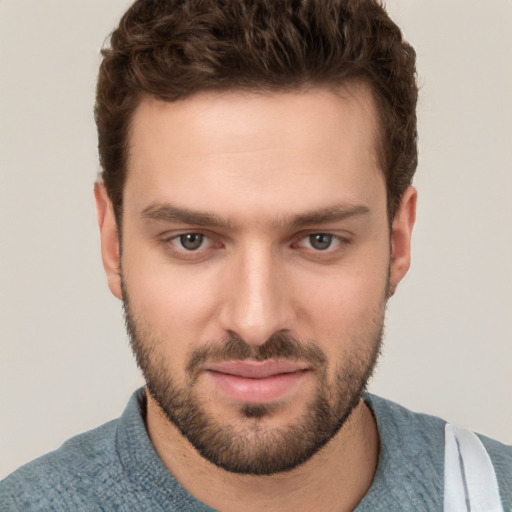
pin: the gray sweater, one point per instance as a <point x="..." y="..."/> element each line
<point x="115" y="468"/>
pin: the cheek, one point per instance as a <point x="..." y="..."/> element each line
<point x="175" y="302"/>
<point x="345" y="303"/>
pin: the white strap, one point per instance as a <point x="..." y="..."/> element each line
<point x="470" y="483"/>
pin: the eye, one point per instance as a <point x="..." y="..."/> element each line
<point x="320" y="241"/>
<point x="190" y="241"/>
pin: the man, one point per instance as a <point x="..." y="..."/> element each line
<point x="255" y="213"/>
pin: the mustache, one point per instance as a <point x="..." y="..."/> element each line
<point x="281" y="345"/>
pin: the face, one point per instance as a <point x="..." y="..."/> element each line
<point x="256" y="264"/>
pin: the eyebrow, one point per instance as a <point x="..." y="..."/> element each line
<point x="172" y="213"/>
<point x="330" y="214"/>
<point x="166" y="212"/>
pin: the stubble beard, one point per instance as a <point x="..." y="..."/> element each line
<point x="250" y="446"/>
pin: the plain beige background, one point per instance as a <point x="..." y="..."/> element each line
<point x="65" y="362"/>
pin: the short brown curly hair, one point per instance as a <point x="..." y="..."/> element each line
<point x="171" y="49"/>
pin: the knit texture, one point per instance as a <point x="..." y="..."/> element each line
<point x="116" y="468"/>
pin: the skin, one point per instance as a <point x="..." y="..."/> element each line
<point x="261" y="163"/>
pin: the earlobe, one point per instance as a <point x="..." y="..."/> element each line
<point x="109" y="239"/>
<point x="401" y="233"/>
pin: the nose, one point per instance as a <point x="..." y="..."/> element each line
<point x="257" y="301"/>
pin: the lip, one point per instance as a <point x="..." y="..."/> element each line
<point x="256" y="369"/>
<point x="256" y="381"/>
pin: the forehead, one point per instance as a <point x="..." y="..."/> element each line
<point x="246" y="150"/>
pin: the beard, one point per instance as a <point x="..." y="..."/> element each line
<point x="249" y="445"/>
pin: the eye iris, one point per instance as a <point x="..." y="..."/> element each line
<point x="191" y="241"/>
<point x="320" y="241"/>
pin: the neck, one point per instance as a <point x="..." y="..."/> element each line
<point x="334" y="479"/>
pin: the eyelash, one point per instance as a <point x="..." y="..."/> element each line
<point x="330" y="236"/>
<point x="171" y="244"/>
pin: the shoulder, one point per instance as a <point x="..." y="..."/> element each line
<point x="413" y="450"/>
<point x="500" y="453"/>
<point x="411" y="430"/>
<point x="409" y="474"/>
<point x="56" y="481"/>
<point x="113" y="467"/>
<point x="501" y="457"/>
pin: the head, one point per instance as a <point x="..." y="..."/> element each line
<point x="173" y="49"/>
<point x="256" y="213"/>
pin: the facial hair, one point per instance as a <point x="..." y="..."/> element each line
<point x="249" y="446"/>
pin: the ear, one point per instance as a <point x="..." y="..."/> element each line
<point x="109" y="239"/>
<point x="401" y="232"/>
